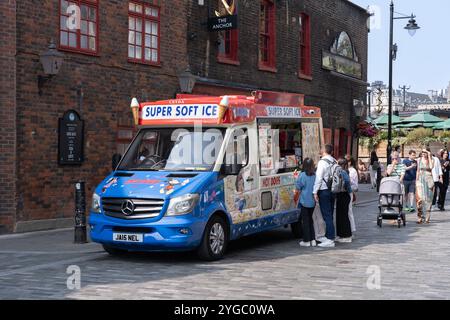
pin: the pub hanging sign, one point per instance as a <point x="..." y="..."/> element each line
<point x="223" y="23"/>
<point x="226" y="17"/>
<point x="70" y="139"/>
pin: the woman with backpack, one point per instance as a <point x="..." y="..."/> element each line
<point x="343" y="198"/>
<point x="307" y="204"/>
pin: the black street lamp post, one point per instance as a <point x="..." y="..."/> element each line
<point x="369" y="103"/>
<point x="412" y="27"/>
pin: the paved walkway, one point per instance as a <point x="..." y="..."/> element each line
<point x="413" y="263"/>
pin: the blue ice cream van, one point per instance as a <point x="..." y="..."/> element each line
<point x="202" y="171"/>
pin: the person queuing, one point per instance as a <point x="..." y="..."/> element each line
<point x="424" y="186"/>
<point x="409" y="181"/>
<point x="307" y="204"/>
<point x="353" y="173"/>
<point x="445" y="165"/>
<point x="396" y="168"/>
<point x="343" y="199"/>
<point x="324" y="196"/>
<point x="437" y="176"/>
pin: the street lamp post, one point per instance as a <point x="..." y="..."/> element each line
<point x="369" y="103"/>
<point x="404" y="89"/>
<point x="412" y="27"/>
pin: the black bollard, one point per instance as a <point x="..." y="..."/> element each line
<point x="80" y="213"/>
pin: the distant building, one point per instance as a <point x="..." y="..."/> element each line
<point x="379" y="99"/>
<point x="448" y="93"/>
<point x="434" y="106"/>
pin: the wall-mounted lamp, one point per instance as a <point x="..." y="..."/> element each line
<point x="51" y="61"/>
<point x="359" y="108"/>
<point x="187" y="81"/>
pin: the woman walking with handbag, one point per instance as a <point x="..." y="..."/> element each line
<point x="375" y="170"/>
<point x="445" y="164"/>
<point x="424" y="187"/>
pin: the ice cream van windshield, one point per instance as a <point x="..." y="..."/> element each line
<point x="175" y="149"/>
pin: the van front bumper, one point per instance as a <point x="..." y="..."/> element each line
<point x="180" y="233"/>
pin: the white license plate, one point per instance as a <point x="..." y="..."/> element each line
<point x="128" y="237"/>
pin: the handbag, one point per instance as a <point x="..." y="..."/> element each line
<point x="430" y="182"/>
<point x="375" y="165"/>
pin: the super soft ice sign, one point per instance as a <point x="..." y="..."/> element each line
<point x="188" y="111"/>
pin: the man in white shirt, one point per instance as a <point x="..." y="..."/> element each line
<point x="437" y="177"/>
<point x="323" y="195"/>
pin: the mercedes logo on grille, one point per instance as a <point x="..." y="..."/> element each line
<point x="128" y="207"/>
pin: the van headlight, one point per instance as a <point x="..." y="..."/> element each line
<point x="95" y="207"/>
<point x="182" y="205"/>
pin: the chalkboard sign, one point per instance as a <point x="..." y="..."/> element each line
<point x="71" y="139"/>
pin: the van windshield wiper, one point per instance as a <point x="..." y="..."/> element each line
<point x="142" y="169"/>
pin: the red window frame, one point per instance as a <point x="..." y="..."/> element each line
<point x="267" y="50"/>
<point x="231" y="39"/>
<point x="231" y="45"/>
<point x="305" y="47"/>
<point x="82" y="32"/>
<point x="141" y="41"/>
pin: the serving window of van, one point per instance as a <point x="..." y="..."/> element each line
<point x="238" y="148"/>
<point x="280" y="146"/>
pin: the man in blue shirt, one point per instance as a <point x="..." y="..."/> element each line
<point x="410" y="181"/>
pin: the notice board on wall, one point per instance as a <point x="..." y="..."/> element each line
<point x="311" y="141"/>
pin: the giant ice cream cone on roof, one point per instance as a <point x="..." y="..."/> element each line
<point x="135" y="109"/>
<point x="223" y="106"/>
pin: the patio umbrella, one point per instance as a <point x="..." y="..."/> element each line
<point x="425" y="119"/>
<point x="444" y="125"/>
<point x="408" y="125"/>
<point x="383" y="120"/>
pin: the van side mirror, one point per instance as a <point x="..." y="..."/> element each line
<point x="115" y="160"/>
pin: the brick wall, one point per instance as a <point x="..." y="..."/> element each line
<point x="328" y="18"/>
<point x="109" y="81"/>
<point x="7" y="114"/>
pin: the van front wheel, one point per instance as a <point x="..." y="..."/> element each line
<point x="215" y="239"/>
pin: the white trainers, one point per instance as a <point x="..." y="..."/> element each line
<point x="305" y="244"/>
<point x="327" y="244"/>
<point x="308" y="244"/>
<point x="322" y="239"/>
<point x="345" y="240"/>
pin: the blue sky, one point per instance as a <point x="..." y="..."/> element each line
<point x="423" y="61"/>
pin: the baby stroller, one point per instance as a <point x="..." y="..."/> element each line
<point x="391" y="202"/>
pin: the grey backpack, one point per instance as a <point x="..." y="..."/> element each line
<point x="335" y="181"/>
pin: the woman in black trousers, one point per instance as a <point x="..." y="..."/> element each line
<point x="343" y="226"/>
<point x="445" y="163"/>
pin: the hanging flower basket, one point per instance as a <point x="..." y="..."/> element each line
<point x="367" y="130"/>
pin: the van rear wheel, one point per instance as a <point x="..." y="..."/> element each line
<point x="215" y="239"/>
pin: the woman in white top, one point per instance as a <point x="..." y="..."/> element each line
<point x="353" y="173"/>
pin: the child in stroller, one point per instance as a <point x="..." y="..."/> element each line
<point x="391" y="201"/>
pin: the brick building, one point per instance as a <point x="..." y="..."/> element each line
<point x="120" y="49"/>
<point x="98" y="78"/>
<point x="302" y="38"/>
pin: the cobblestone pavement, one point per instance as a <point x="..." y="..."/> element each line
<point x="413" y="262"/>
